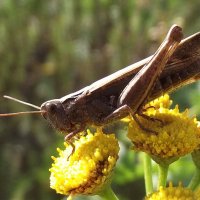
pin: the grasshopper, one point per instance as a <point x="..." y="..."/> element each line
<point x="125" y="92"/>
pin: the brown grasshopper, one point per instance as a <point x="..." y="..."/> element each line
<point x="175" y="64"/>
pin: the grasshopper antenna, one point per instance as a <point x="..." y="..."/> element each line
<point x="22" y="102"/>
<point x="21" y="113"/>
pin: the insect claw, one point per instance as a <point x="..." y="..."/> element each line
<point x="73" y="148"/>
<point x="68" y="139"/>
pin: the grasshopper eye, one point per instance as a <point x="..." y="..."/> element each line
<point x="51" y="108"/>
<point x="54" y="112"/>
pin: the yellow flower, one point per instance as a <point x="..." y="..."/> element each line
<point x="161" y="102"/>
<point x="170" y="193"/>
<point x="177" y="136"/>
<point x="197" y="193"/>
<point x="89" y="168"/>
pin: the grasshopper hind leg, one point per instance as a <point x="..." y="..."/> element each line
<point x="153" y="119"/>
<point x="143" y="127"/>
<point x="125" y="110"/>
<point x="119" y="113"/>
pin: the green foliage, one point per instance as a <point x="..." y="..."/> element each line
<point x="50" y="48"/>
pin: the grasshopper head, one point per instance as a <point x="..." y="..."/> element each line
<point x="55" y="114"/>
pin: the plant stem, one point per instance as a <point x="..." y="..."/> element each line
<point x="195" y="180"/>
<point x="69" y="197"/>
<point x="163" y="170"/>
<point x="148" y="174"/>
<point x="108" y="193"/>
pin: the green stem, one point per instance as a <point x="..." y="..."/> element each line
<point x="108" y="193"/>
<point x="195" y="180"/>
<point x="148" y="174"/>
<point x="69" y="198"/>
<point x="163" y="170"/>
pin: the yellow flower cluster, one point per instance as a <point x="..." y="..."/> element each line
<point x="178" y="193"/>
<point x="169" y="134"/>
<point x="161" y="102"/>
<point x="89" y="168"/>
<point x="197" y="194"/>
<point x="176" y="136"/>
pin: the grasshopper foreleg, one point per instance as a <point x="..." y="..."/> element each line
<point x="68" y="140"/>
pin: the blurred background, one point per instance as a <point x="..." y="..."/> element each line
<point x="51" y="48"/>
